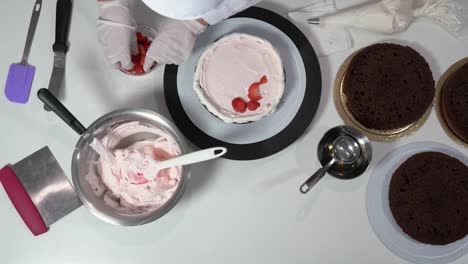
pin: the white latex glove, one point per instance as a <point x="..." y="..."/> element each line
<point x="116" y="32"/>
<point x="173" y="43"/>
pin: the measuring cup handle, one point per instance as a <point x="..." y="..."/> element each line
<point x="307" y="185"/>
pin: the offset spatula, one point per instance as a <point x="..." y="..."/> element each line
<point x="20" y="75"/>
<point x="60" y="47"/>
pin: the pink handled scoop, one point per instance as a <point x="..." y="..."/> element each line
<point x="20" y="75"/>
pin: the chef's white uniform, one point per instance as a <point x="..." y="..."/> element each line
<point x="212" y="11"/>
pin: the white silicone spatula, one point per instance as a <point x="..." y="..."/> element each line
<point x="106" y="154"/>
<point x="191" y="158"/>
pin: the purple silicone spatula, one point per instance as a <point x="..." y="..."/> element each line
<point x="20" y="75"/>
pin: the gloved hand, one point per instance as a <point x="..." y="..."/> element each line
<point x="173" y="43"/>
<point x="116" y="32"/>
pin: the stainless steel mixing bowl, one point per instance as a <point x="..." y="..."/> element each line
<point x="84" y="158"/>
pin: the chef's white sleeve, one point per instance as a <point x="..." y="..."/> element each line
<point x="227" y="9"/>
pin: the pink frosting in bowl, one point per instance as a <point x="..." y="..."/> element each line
<point x="123" y="184"/>
<point x="114" y="190"/>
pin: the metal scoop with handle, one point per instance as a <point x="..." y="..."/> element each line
<point x="345" y="151"/>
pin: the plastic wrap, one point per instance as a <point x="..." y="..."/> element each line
<point x="393" y="16"/>
<point x="452" y="15"/>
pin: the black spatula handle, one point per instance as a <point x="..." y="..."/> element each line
<point x="62" y="25"/>
<point x="59" y="109"/>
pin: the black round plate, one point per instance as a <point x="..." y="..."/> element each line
<point x="287" y="136"/>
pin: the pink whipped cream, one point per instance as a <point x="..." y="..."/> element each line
<point x="123" y="181"/>
<point x="229" y="66"/>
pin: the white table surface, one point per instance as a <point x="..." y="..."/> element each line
<point x="232" y="212"/>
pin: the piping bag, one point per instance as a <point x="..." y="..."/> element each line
<point x="393" y="16"/>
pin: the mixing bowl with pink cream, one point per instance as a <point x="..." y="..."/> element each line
<point x="128" y="204"/>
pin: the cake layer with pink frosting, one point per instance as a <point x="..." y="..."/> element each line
<point x="124" y="185"/>
<point x="227" y="69"/>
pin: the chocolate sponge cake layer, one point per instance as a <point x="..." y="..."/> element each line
<point x="388" y="86"/>
<point x="428" y="198"/>
<point x="455" y="102"/>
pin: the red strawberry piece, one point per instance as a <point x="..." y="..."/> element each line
<point x="263" y="80"/>
<point x="142" y="60"/>
<point x="138" y="69"/>
<point x="253" y="105"/>
<point x="141" y="37"/>
<point x="254" y="92"/>
<point x="239" y="105"/>
<point x="146" y="45"/>
<point x="135" y="58"/>
<point x="141" y="49"/>
<point x="132" y="71"/>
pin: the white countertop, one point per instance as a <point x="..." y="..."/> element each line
<point x="232" y="212"/>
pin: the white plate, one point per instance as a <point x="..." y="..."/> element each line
<point x="272" y="134"/>
<point x="256" y="131"/>
<point x="381" y="218"/>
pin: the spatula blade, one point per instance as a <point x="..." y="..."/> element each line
<point x="19" y="82"/>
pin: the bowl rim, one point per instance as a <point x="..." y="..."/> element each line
<point x="160" y="211"/>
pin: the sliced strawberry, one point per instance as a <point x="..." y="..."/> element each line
<point x="142" y="60"/>
<point x="263" y="80"/>
<point x="141" y="37"/>
<point x="138" y="69"/>
<point x="254" y="92"/>
<point x="253" y="105"/>
<point x="139" y="59"/>
<point x="135" y="58"/>
<point x="239" y="105"/>
<point x="141" y="49"/>
<point x="148" y="41"/>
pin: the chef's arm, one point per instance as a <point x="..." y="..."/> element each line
<point x="227" y="9"/>
<point x="130" y="3"/>
<point x="222" y="12"/>
<point x="115" y="22"/>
